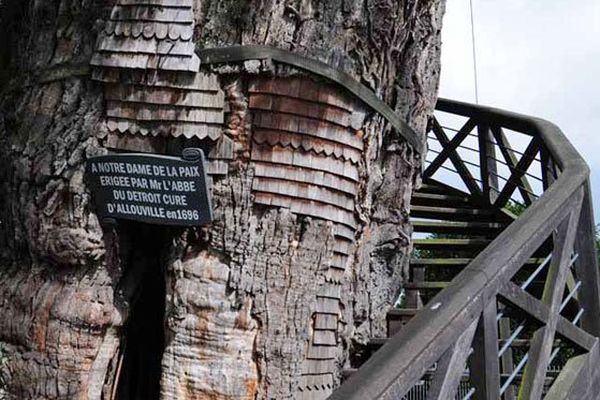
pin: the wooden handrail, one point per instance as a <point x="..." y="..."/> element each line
<point x="392" y="371"/>
<point x="233" y="54"/>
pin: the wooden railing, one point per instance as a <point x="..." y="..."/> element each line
<point x="472" y="326"/>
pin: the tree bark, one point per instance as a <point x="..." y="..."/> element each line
<point x="264" y="302"/>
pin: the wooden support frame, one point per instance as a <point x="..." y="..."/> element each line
<point x="518" y="172"/>
<point x="449" y="152"/>
<point x="511" y="160"/>
<point x="451" y="366"/>
<point x="541" y="344"/>
<point x="485" y="366"/>
<point x="391" y="372"/>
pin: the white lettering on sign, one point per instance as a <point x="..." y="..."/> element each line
<point x="155" y="189"/>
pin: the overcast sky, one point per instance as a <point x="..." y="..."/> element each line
<point x="537" y="57"/>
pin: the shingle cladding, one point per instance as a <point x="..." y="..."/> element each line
<point x="153" y="87"/>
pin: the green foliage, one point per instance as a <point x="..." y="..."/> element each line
<point x="515" y="208"/>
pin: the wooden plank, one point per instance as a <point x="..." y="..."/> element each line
<point x="303" y="191"/>
<point x="145" y="61"/>
<point x="179" y="15"/>
<point x="322" y="352"/>
<point x="307" y="207"/>
<point x="457" y="227"/>
<point x="563" y="385"/>
<point x="317" y="367"/>
<point x="299" y="107"/>
<point x="286" y="156"/>
<point x="330" y="291"/>
<point x="484" y="366"/>
<point x="199" y="81"/>
<point x="305" y="175"/>
<point x="307" y="143"/>
<point x="304" y="88"/>
<point x="450" y="244"/>
<point x="125" y="44"/>
<point x="334" y="275"/>
<point x="148" y="112"/>
<point x="326" y="305"/>
<point x="326" y="322"/>
<point x="157" y="128"/>
<point x="307" y="126"/>
<point x="429" y="199"/>
<point x="450" y="213"/>
<point x="343" y="232"/>
<point x="451" y="367"/>
<point x="339" y="261"/>
<point x="174" y="97"/>
<point x="324" y="338"/>
<point x="428" y="285"/>
<point x="511" y="159"/>
<point x="586" y="266"/>
<point x="312" y="386"/>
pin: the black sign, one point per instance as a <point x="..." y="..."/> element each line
<point x="151" y="188"/>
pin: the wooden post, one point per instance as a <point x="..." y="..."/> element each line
<point x="485" y="369"/>
<point x="586" y="266"/>
<point x="487" y="163"/>
<point x="451" y="366"/>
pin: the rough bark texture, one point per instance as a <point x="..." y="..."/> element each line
<point x="253" y="307"/>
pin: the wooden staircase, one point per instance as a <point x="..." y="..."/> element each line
<point x="458" y="228"/>
<point x="450" y="228"/>
<point x="497" y="306"/>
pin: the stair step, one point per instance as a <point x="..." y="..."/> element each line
<point x="398" y="317"/>
<point x="456" y="262"/>
<point x="348" y="372"/>
<point x="399" y="313"/>
<point x="449" y="244"/>
<point x="450" y="213"/>
<point x="457" y="227"/>
<point x="438" y="199"/>
<point x="376" y="343"/>
<point x="426" y="285"/>
<point x="439" y="188"/>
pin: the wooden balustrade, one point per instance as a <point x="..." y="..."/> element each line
<point x="470" y="318"/>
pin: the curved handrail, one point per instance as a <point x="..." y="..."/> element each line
<point x="257" y="52"/>
<point x="420" y="343"/>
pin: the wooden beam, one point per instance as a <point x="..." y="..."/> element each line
<point x="586" y="266"/>
<point x="518" y="172"/>
<point x="449" y="151"/>
<point x="451" y="367"/>
<point x="535" y="309"/>
<point x="511" y="159"/>
<point x="487" y="162"/>
<point x="485" y="368"/>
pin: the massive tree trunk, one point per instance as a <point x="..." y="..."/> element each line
<point x="270" y="300"/>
